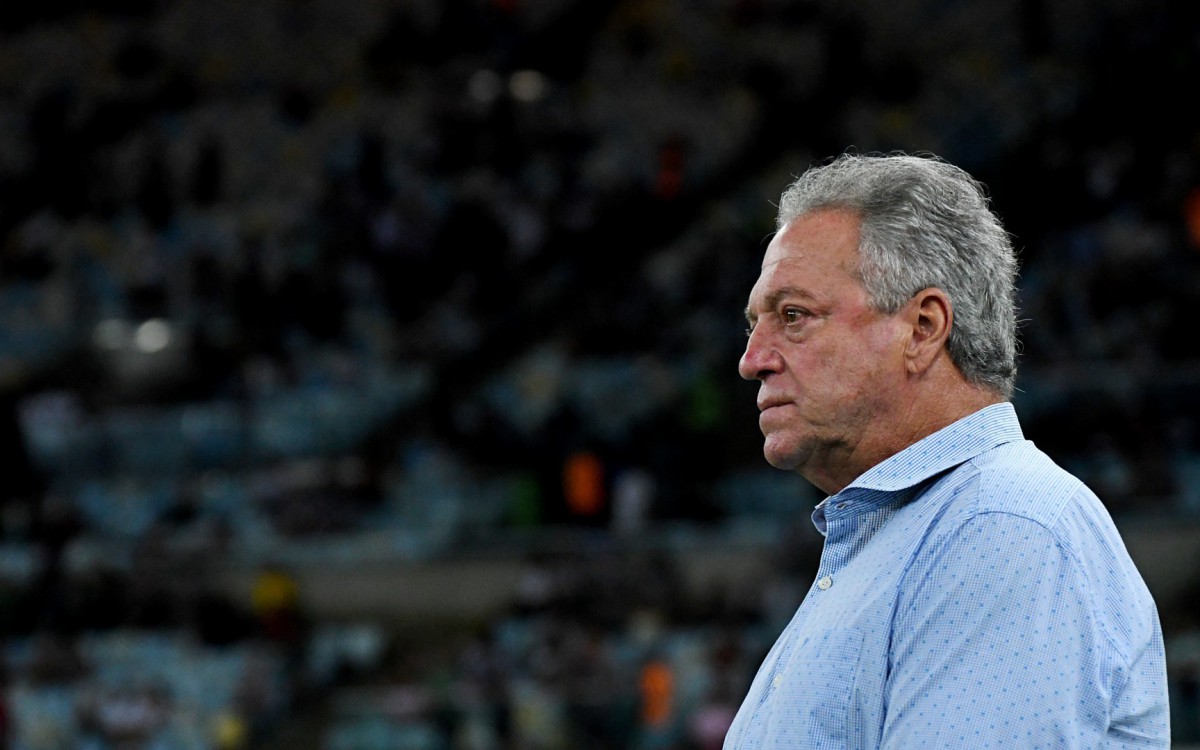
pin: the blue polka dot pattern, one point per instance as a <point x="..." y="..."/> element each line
<point x="971" y="594"/>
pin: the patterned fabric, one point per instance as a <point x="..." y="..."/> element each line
<point x="971" y="594"/>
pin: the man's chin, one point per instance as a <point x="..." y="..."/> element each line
<point x="780" y="456"/>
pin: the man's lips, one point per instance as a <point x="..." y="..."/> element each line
<point x="771" y="403"/>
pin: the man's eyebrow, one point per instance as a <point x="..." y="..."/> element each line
<point x="774" y="298"/>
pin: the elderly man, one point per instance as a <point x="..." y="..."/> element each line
<point x="971" y="593"/>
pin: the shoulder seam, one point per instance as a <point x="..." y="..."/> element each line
<point x="1070" y="554"/>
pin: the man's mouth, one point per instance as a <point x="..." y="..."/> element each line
<point x="766" y="404"/>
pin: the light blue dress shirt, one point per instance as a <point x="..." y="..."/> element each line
<point x="971" y="594"/>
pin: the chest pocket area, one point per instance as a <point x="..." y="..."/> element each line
<point x="813" y="703"/>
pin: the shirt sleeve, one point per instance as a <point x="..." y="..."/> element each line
<point x="997" y="643"/>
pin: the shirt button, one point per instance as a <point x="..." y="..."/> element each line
<point x="778" y="679"/>
<point x="825" y="583"/>
<point x="842" y="505"/>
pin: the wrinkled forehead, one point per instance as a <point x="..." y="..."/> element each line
<point x="827" y="238"/>
<point x="813" y="260"/>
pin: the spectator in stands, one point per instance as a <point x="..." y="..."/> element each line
<point x="275" y="599"/>
<point x="971" y="592"/>
<point x="656" y="683"/>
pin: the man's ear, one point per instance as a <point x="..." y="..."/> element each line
<point x="930" y="315"/>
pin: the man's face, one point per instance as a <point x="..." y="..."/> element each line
<point x="830" y="366"/>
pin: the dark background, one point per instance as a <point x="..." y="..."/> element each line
<point x="368" y="369"/>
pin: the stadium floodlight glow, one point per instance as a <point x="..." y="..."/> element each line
<point x="527" y="85"/>
<point x="110" y="334"/>
<point x="153" y="335"/>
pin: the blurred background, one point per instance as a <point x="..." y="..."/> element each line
<point x="368" y="369"/>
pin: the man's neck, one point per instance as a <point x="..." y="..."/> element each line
<point x="912" y="421"/>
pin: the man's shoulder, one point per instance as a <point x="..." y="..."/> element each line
<point x="1019" y="479"/>
<point x="1028" y="505"/>
<point x="1019" y="482"/>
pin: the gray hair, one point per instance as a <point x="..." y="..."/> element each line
<point x="926" y="223"/>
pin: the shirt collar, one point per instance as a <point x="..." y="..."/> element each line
<point x="950" y="446"/>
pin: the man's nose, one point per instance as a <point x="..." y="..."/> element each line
<point x="761" y="357"/>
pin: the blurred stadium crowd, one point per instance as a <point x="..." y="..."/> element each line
<point x="299" y="279"/>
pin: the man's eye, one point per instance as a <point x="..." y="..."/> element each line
<point x="792" y="315"/>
